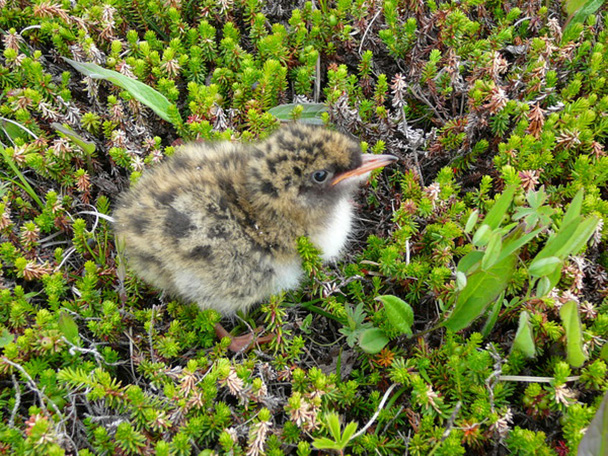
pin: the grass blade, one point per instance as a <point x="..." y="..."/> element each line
<point x="311" y="112"/>
<point x="140" y="91"/>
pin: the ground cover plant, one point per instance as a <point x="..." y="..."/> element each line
<point x="469" y="315"/>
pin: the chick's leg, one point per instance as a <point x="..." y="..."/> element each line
<point x="242" y="343"/>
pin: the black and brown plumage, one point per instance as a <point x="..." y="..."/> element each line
<point x="217" y="223"/>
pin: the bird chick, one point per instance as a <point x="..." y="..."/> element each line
<point x="217" y="223"/>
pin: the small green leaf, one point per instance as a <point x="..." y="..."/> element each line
<point x="572" y="6"/>
<point x="545" y="267"/>
<point x="349" y="431"/>
<point x="579" y="11"/>
<point x="333" y="424"/>
<point x="536" y="198"/>
<point x="556" y="242"/>
<point x="492" y="251"/>
<point x="311" y="112"/>
<point x="25" y="185"/>
<point x="574" y="334"/>
<point x="554" y="278"/>
<point x="6" y="337"/>
<point x="373" y="340"/>
<point x="340" y="440"/>
<point x="323" y="443"/>
<point x="498" y="211"/>
<point x="581" y="235"/>
<point x="461" y="280"/>
<point x="399" y="313"/>
<point x="543" y="287"/>
<point x="573" y="234"/>
<point x="14" y="130"/>
<point x="513" y="243"/>
<point x="87" y="146"/>
<point x="574" y="209"/>
<point x="524" y="338"/>
<point x="68" y="327"/>
<point x="483" y="287"/>
<point x="471" y="259"/>
<point x="482" y="235"/>
<point x="493" y="317"/>
<point x="140" y="91"/>
<point x="472" y="220"/>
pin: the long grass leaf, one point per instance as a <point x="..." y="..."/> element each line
<point x="140" y="91"/>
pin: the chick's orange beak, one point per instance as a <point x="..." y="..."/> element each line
<point x="369" y="163"/>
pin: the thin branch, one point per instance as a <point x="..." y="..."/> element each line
<point x="317" y="80"/>
<point x="43" y="397"/>
<point x="31" y="27"/>
<point x="530" y="379"/>
<point x="99" y="215"/>
<point x="448" y="428"/>
<point x="405" y="128"/>
<point x="522" y="20"/>
<point x="150" y="329"/>
<point x="425" y="100"/>
<point x="66" y="256"/>
<point x="91" y="351"/>
<point x="11" y="421"/>
<point x="27" y="130"/>
<point x="369" y="26"/>
<point x="493" y="377"/>
<point x="380" y="407"/>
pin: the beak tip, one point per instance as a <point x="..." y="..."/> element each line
<point x="369" y="163"/>
<point x="378" y="161"/>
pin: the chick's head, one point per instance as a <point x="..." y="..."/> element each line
<point x="295" y="169"/>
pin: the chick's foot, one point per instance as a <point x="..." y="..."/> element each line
<point x="241" y="343"/>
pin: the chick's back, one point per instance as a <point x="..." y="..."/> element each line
<point x="188" y="228"/>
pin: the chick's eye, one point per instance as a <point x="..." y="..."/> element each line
<point x="320" y="176"/>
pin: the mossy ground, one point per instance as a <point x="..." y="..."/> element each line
<point x="472" y="96"/>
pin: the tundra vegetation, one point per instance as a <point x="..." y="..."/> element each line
<point x="469" y="315"/>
